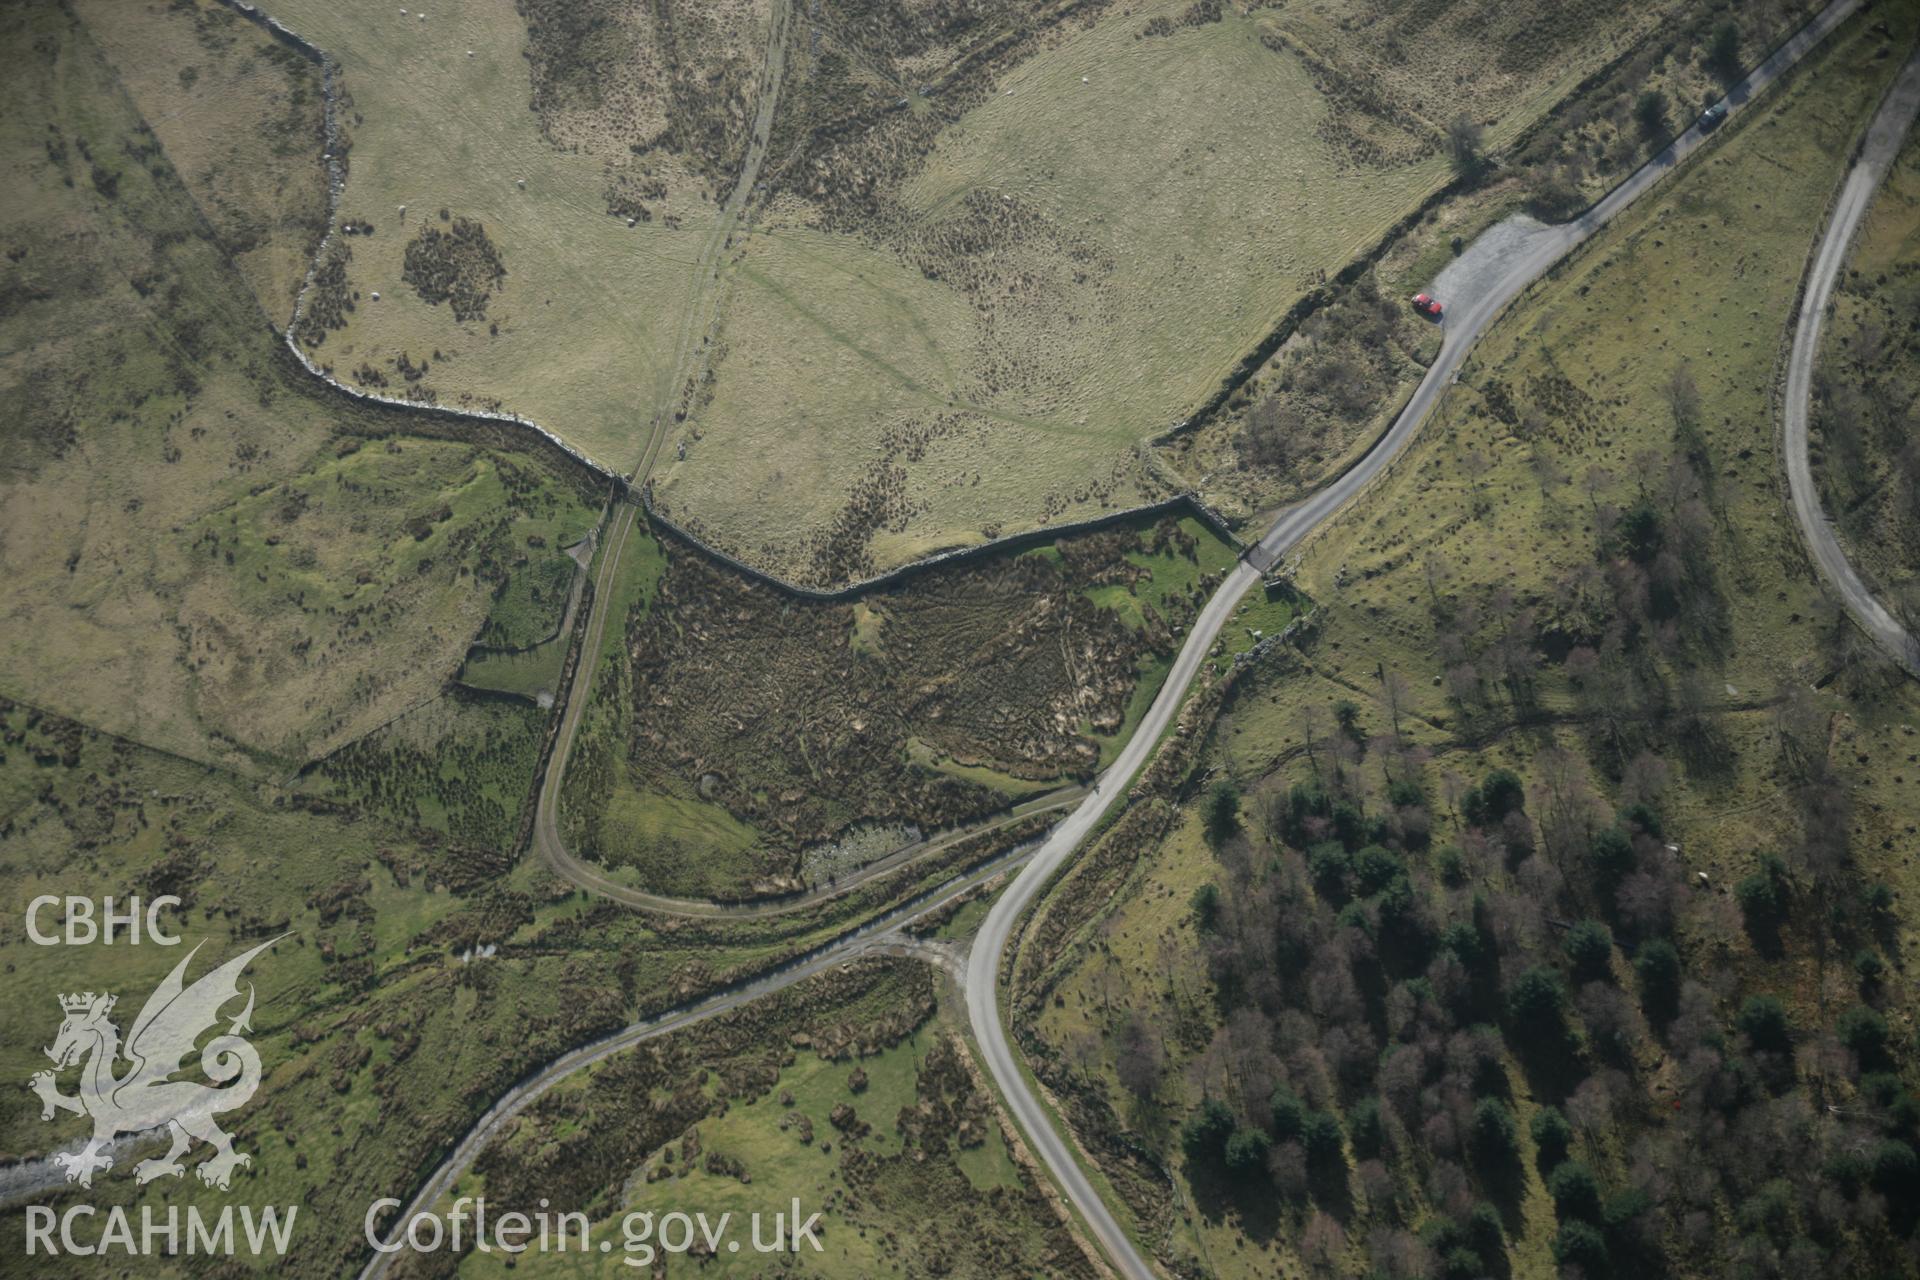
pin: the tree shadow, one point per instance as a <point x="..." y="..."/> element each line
<point x="1706" y="751"/>
<point x="1764" y="933"/>
<point x="1550" y="1060"/>
<point x="1330" y="1186"/>
<point x="1505" y="1182"/>
<point x="1250" y="1201"/>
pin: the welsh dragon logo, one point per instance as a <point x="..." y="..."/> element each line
<point x="146" y="1097"/>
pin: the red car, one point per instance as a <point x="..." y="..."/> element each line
<point x="1427" y="306"/>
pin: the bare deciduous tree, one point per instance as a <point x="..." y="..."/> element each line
<point x="1137" y="1058"/>
<point x="1396" y="690"/>
<point x="1594" y="481"/>
<point x="1683" y="399"/>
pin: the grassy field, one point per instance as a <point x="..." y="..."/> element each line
<point x="855" y="1098"/>
<point x="1005" y="263"/>
<point x="1499" y="65"/>
<point x="1004" y="256"/>
<point x="528" y="673"/>
<point x="1555" y="128"/>
<point x="1560" y="162"/>
<point x="195" y="71"/>
<point x="212" y="556"/>
<point x="1012" y="267"/>
<point x="1866" y="458"/>
<point x="383" y="1037"/>
<point x="380" y="1043"/>
<point x="459" y="518"/>
<point x="1493" y="604"/>
<point x="974" y="233"/>
<point x="532" y="602"/>
<point x="633" y="820"/>
<point x="579" y="333"/>
<point x="524" y="642"/>
<point x="736" y="728"/>
<point x="459" y="765"/>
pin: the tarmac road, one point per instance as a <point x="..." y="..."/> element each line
<point x="1884" y="138"/>
<point x="1466" y="319"/>
<point x="880" y="936"/>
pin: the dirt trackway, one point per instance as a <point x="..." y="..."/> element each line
<point x="1884" y="137"/>
<point x="1468" y="319"/>
<point x="708" y="285"/>
<point x="546" y="822"/>
<point x="881" y="935"/>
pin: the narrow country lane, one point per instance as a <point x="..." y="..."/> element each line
<point x="1884" y="138"/>
<point x="1034" y="868"/>
<point x="1467" y="319"/>
<point x="882" y="936"/>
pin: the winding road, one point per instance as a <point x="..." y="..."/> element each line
<point x="546" y="820"/>
<point x="1468" y="317"/>
<point x="884" y="935"/>
<point x="1884" y="138"/>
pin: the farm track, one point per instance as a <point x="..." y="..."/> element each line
<point x="669" y="397"/>
<point x="585" y="876"/>
<point x="983" y="967"/>
<point x="1884" y="138"/>
<point x="986" y="959"/>
<point x="881" y="936"/>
